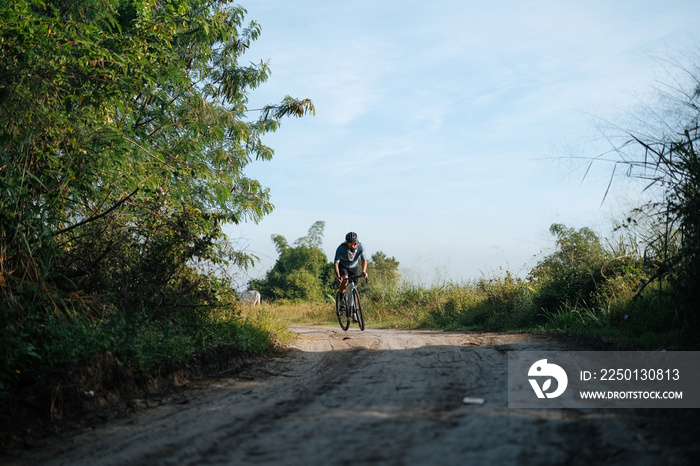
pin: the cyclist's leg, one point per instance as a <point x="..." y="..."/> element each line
<point x="344" y="276"/>
<point x="353" y="307"/>
<point x="341" y="311"/>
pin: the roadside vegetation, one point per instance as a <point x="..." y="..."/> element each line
<point x="124" y="139"/>
<point x="617" y="291"/>
<point x="580" y="288"/>
<point x="611" y="292"/>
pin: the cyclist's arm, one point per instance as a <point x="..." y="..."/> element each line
<point x="364" y="268"/>
<point x="336" y="262"/>
<point x="336" y="266"/>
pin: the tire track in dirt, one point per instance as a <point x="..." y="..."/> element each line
<point x="384" y="397"/>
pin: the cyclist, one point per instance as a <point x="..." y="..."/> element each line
<point x="347" y="257"/>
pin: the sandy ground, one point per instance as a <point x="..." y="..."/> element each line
<point x="389" y="397"/>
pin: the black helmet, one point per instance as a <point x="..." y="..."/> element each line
<point x="351" y="237"/>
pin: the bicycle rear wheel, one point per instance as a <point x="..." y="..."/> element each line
<point x="343" y="314"/>
<point x="358" y="310"/>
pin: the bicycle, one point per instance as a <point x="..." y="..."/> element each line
<point x="349" y="305"/>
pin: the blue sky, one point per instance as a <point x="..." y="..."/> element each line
<point x="444" y="130"/>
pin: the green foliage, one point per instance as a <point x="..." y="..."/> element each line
<point x="124" y="139"/>
<point x="497" y="303"/>
<point x="589" y="289"/>
<point x="581" y="287"/>
<point x="314" y="237"/>
<point x="301" y="272"/>
<point x="509" y="302"/>
<point x="662" y="152"/>
<point x="457" y="306"/>
<point x="384" y="276"/>
<point x="572" y="273"/>
<point x="155" y="344"/>
<point x="38" y="343"/>
<point x="679" y="174"/>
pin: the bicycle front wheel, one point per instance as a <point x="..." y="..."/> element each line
<point x="341" y="312"/>
<point x="358" y="310"/>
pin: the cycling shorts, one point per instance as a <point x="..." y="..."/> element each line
<point x="350" y="272"/>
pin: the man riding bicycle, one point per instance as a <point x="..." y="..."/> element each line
<point x="347" y="257"/>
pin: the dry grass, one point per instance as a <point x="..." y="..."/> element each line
<point x="305" y="313"/>
<point x="299" y="313"/>
<point x="276" y="317"/>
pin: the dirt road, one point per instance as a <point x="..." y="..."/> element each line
<point x="377" y="397"/>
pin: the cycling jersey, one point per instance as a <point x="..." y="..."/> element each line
<point x="349" y="258"/>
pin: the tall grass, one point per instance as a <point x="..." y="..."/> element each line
<point x="29" y="351"/>
<point x="266" y="319"/>
<point x="507" y="304"/>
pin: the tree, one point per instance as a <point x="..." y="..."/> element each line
<point x="301" y="272"/>
<point x="124" y="138"/>
<point x="572" y="273"/>
<point x="314" y="237"/>
<point x="384" y="273"/>
<point x="125" y="130"/>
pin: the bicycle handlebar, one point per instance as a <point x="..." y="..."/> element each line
<point x="353" y="277"/>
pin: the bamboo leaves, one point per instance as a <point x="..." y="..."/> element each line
<point x="125" y="129"/>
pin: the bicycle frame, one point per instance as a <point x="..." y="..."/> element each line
<point x="349" y="302"/>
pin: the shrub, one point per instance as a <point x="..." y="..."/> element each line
<point x="572" y="273"/>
